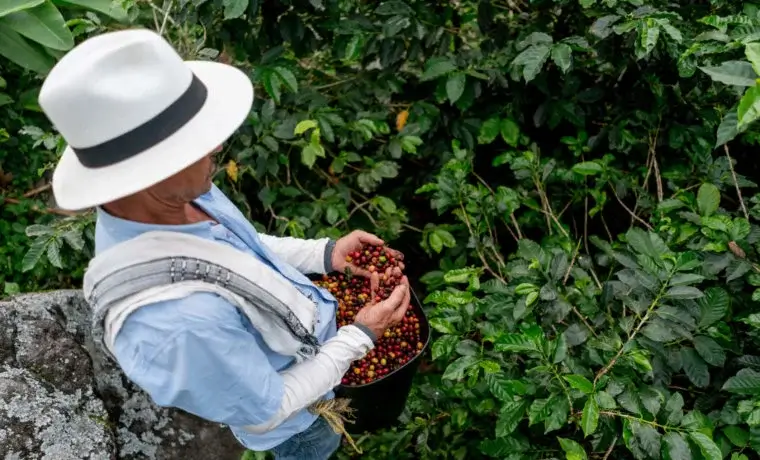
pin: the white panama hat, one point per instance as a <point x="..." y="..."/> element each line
<point x="133" y="113"/>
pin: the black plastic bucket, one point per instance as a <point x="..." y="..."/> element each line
<point x="379" y="404"/>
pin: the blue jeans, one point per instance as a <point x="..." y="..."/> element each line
<point x="318" y="442"/>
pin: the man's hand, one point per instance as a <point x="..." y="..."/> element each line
<point x="380" y="316"/>
<point x="354" y="242"/>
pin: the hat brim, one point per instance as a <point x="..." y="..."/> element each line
<point x="229" y="100"/>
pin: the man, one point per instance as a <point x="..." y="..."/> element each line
<point x="198" y="309"/>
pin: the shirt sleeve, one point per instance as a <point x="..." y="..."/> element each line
<point x="307" y="256"/>
<point x="212" y="367"/>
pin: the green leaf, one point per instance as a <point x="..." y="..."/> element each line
<point x="109" y="8"/>
<point x="510" y="132"/>
<point x="456" y="370"/>
<point x="752" y="51"/>
<point x="713" y="306"/>
<point x="489" y="130"/>
<point x="587" y="168"/>
<point x="502" y="447"/>
<point x="287" y="77"/>
<point x="513" y="342"/>
<point x="709" y="450"/>
<point x="738" y="73"/>
<point x="15" y="48"/>
<point x="234" y="8"/>
<point x="580" y="382"/>
<point x="676" y="447"/>
<point x="573" y="450"/>
<point x="728" y="129"/>
<point x="708" y="199"/>
<point x="745" y="382"/>
<point x="332" y="214"/>
<point x="503" y="388"/>
<point x="737" y="435"/>
<point x="354" y="48"/>
<point x="532" y="60"/>
<point x="749" y="107"/>
<point x="43" y="24"/>
<point x="54" y="253"/>
<point x="455" y="86"/>
<point x="437" y="67"/>
<point x="684" y="292"/>
<point x="695" y="368"/>
<point x="709" y="350"/>
<point x="444" y="345"/>
<point x="304" y="126"/>
<point x="649" y="34"/>
<point x="509" y="417"/>
<point x="435" y="242"/>
<point x="682" y="279"/>
<point x="34" y="254"/>
<point x="447" y="239"/>
<point x="13" y="6"/>
<point x="590" y="418"/>
<point x="272" y="85"/>
<point x="645" y="440"/>
<point x="309" y="155"/>
<point x="560" y="352"/>
<point x="562" y="55"/>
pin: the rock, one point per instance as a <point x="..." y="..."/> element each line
<point x="61" y="399"/>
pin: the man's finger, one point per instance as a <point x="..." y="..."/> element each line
<point x="368" y="238"/>
<point x="374" y="283"/>
<point x="396" y="254"/>
<point x="398" y="315"/>
<point x="358" y="271"/>
<point x="397" y="296"/>
<point x="397" y="271"/>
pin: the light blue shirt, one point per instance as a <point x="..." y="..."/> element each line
<point x="199" y="353"/>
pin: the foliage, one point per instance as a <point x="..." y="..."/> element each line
<point x="571" y="181"/>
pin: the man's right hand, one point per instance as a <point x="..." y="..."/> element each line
<point x="380" y="316"/>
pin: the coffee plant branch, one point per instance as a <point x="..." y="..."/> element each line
<point x="642" y="321"/>
<point x="736" y="183"/>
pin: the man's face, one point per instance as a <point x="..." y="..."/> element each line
<point x="191" y="182"/>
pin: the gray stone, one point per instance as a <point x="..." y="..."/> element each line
<point x="60" y="398"/>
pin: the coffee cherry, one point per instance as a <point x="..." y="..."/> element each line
<point x="399" y="344"/>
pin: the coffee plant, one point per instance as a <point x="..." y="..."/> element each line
<point x="571" y="181"/>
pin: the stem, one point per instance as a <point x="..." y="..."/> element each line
<point x="565" y="390"/>
<point x="633" y="214"/>
<point x="635" y="331"/>
<point x="548" y="207"/>
<point x="736" y="182"/>
<point x="60" y="212"/>
<point x="611" y="413"/>
<point x="609" y="450"/>
<point x="482" y="257"/>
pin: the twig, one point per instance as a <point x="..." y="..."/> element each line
<point x="572" y="262"/>
<point x="652" y="164"/>
<point x="736" y="182"/>
<point x="643" y="321"/>
<point x="564" y="282"/>
<point x="166" y="18"/>
<point x="633" y="215"/>
<point x="482" y="257"/>
<point x="335" y="83"/>
<point x="60" y="212"/>
<point x="609" y="450"/>
<point x="37" y="191"/>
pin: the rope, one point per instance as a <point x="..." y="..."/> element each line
<point x="336" y="413"/>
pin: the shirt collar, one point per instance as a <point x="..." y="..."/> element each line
<point x="119" y="229"/>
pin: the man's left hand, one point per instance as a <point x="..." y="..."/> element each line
<point x="354" y="242"/>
